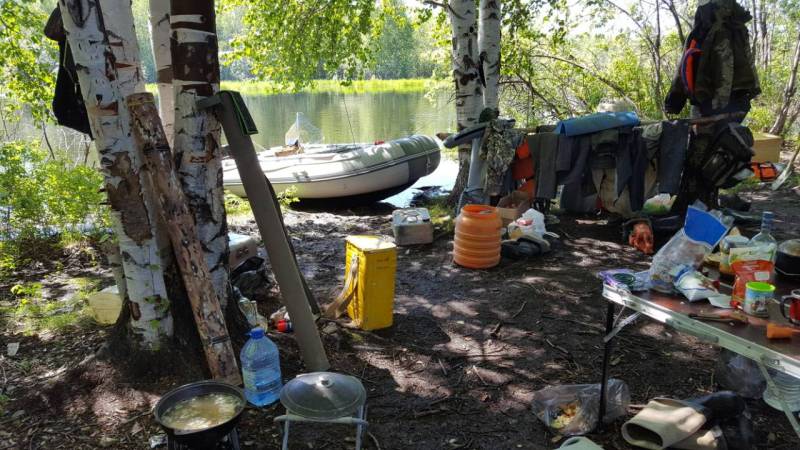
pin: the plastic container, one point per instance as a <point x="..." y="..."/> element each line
<point x="106" y="305"/>
<point x="372" y="306"/>
<point x="477" y="239"/>
<point x="261" y="369"/>
<point x="757" y="295"/>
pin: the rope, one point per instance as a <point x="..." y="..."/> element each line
<point x="347" y="113"/>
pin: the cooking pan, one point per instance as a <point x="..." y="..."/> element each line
<point x="201" y="439"/>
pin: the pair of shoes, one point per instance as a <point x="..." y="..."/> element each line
<point x="717" y="421"/>
<point x="524" y="247"/>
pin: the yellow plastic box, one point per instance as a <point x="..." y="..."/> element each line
<point x="372" y="305"/>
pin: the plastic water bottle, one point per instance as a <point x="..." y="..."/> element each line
<point x="765" y="237"/>
<point x="261" y="369"/>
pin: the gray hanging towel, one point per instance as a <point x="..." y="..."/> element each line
<point x="672" y="146"/>
<point x="544" y="149"/>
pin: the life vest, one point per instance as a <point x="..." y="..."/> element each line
<point x="688" y="67"/>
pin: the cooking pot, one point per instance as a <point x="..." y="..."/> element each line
<point x="202" y="439"/>
<point x="788" y="259"/>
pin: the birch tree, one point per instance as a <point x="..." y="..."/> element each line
<point x="159" y="37"/>
<point x="100" y="75"/>
<point x="195" y="68"/>
<point x="789" y="92"/>
<point x="489" y="50"/>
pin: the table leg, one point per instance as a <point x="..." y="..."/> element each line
<point x="606" y="356"/>
<point x="779" y="395"/>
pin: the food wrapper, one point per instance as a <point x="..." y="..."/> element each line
<point x="751" y="264"/>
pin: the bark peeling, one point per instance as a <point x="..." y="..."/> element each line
<point x="195" y="68"/>
<point x="101" y="83"/>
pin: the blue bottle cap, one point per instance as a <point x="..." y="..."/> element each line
<point x="257" y="333"/>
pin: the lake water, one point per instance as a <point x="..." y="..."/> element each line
<point x="344" y="118"/>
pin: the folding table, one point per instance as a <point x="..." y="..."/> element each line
<point x="748" y="340"/>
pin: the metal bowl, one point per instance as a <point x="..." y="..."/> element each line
<point x="201" y="439"/>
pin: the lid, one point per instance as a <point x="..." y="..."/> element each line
<point x="790" y="247"/>
<point x="257" y="333"/>
<point x="323" y="395"/>
<point x="368" y="243"/>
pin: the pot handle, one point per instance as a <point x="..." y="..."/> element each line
<point x="784" y="299"/>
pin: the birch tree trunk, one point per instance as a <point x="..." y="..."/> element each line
<point x="788" y="93"/>
<point x="489" y="50"/>
<point x="469" y="93"/>
<point x="99" y="77"/>
<point x="152" y="142"/>
<point x="195" y="69"/>
<point x="159" y="37"/>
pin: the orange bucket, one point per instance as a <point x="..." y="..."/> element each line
<point x="478" y="235"/>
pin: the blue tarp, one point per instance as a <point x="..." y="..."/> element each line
<point x="593" y="123"/>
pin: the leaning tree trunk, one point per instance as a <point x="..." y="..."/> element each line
<point x="788" y="94"/>
<point x="489" y="50"/>
<point x="152" y="142"/>
<point x="99" y="78"/>
<point x="159" y="36"/>
<point x="195" y="69"/>
<point x="469" y="96"/>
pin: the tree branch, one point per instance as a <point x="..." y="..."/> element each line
<point x="592" y="73"/>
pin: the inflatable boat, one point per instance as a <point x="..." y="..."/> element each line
<point x="364" y="172"/>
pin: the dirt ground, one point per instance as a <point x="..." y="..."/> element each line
<point x="443" y="377"/>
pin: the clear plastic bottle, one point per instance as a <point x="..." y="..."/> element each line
<point x="764" y="238"/>
<point x="261" y="369"/>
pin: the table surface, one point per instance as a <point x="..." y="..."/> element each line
<point x="748" y="339"/>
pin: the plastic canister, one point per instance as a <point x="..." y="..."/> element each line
<point x="106" y="305"/>
<point x="477" y="237"/>
<point x="757" y="295"/>
<point x="375" y="257"/>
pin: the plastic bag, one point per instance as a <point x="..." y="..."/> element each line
<point x="531" y="223"/>
<point x="737" y="373"/>
<point x="694" y="285"/>
<point x="573" y="409"/>
<point x="701" y="232"/>
<point x="658" y="205"/>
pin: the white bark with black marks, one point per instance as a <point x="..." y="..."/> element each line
<point x="489" y="50"/>
<point x="789" y="92"/>
<point x="99" y="77"/>
<point x="466" y="77"/>
<point x="159" y="37"/>
<point x="195" y="70"/>
<point x="469" y="92"/>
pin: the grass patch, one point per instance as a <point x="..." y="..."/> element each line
<point x="236" y="206"/>
<point x="31" y="313"/>
<point x="746" y="185"/>
<point x="254" y="88"/>
<point x="442" y="214"/>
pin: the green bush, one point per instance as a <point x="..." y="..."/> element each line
<point x="42" y="197"/>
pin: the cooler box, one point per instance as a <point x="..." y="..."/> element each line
<point x="372" y="305"/>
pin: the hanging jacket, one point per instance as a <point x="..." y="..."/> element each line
<point x="716" y="72"/>
<point x="68" y="106"/>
